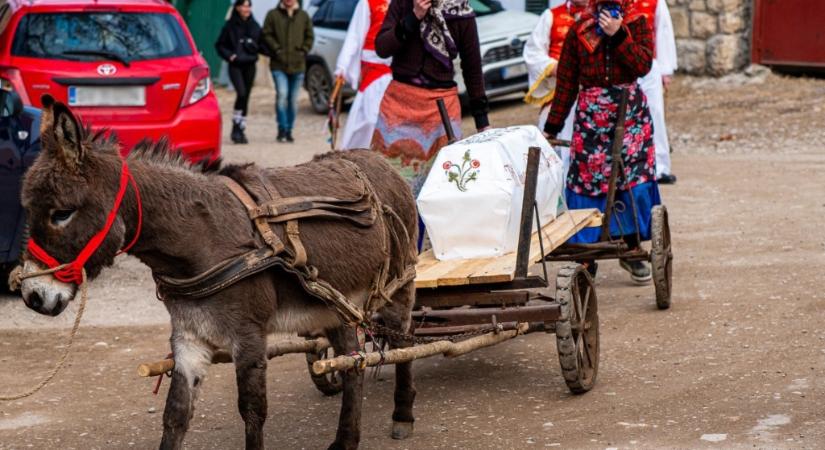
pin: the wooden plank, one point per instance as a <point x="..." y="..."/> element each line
<point x="432" y="273"/>
<point x="555" y="233"/>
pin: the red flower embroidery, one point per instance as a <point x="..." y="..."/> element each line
<point x="475" y="164"/>
<point x="446" y="165"/>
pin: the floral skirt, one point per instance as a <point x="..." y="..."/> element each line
<point x="409" y="131"/>
<point x="593" y="131"/>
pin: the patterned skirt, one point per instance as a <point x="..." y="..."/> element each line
<point x="409" y="131"/>
<point x="591" y="161"/>
<point x="590" y="151"/>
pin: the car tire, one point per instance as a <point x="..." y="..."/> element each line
<point x="319" y="87"/>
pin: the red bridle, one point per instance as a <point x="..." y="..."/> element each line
<point x="73" y="272"/>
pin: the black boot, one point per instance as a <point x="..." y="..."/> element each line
<point x="289" y="137"/>
<point x="244" y="140"/>
<point x="237" y="134"/>
<point x="281" y="135"/>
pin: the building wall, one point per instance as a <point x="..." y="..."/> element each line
<point x="712" y="36"/>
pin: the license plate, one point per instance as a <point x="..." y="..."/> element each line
<point x="107" y="96"/>
<point x="513" y="71"/>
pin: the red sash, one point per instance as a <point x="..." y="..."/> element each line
<point x="371" y="72"/>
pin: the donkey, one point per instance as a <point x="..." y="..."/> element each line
<point x="191" y="221"/>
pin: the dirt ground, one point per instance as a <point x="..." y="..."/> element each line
<point x="737" y="362"/>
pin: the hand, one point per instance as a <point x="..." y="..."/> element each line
<point x="547" y="135"/>
<point x="420" y="8"/>
<point x="609" y="25"/>
<point x="666" y="80"/>
<point x="232" y="58"/>
<point x="483" y="129"/>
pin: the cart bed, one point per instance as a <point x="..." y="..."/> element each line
<point x="432" y="273"/>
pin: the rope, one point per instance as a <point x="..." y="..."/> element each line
<point x="19" y="277"/>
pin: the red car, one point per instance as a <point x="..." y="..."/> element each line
<point x="127" y="65"/>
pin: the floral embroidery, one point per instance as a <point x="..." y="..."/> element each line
<point x="463" y="174"/>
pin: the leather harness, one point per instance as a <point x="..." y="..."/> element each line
<point x="364" y="210"/>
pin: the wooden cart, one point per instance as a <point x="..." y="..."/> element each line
<point x="463" y="305"/>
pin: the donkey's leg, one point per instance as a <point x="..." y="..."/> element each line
<point x="250" y="371"/>
<point x="397" y="316"/>
<point x="345" y="341"/>
<point x="192" y="359"/>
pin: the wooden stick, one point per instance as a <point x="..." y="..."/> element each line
<point x="221" y="356"/>
<point x="401" y="355"/>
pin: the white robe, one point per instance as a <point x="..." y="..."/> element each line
<point x="663" y="65"/>
<point x="363" y="112"/>
<point x="537" y="59"/>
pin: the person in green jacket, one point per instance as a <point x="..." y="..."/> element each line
<point x="288" y="34"/>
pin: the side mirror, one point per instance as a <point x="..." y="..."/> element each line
<point x="10" y="104"/>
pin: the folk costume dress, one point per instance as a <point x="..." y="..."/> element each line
<point x="361" y="67"/>
<point x="541" y="55"/>
<point x="604" y="65"/>
<point x="409" y="131"/>
<point x="664" y="64"/>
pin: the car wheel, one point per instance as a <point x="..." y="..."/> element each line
<point x="319" y="87"/>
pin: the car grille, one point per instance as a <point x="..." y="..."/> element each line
<point x="503" y="53"/>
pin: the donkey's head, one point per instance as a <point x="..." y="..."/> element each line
<point x="68" y="193"/>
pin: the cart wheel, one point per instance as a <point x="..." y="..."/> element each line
<point x="329" y="384"/>
<point x="577" y="332"/>
<point x="661" y="256"/>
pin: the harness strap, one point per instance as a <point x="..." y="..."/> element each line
<point x="294" y="236"/>
<point x="269" y="236"/>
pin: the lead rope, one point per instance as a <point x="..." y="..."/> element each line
<point x="17" y="277"/>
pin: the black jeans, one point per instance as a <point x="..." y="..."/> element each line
<point x="242" y="77"/>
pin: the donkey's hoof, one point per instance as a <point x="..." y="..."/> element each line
<point x="402" y="430"/>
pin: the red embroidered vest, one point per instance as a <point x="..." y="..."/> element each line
<point x="371" y="71"/>
<point x="564" y="18"/>
<point x="378" y="9"/>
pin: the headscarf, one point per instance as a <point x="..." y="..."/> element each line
<point x="588" y="28"/>
<point x="434" y="32"/>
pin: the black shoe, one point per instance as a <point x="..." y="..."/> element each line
<point x="667" y="178"/>
<point x="289" y="137"/>
<point x="281" y="135"/>
<point x="244" y="140"/>
<point x="639" y="270"/>
<point x="237" y="134"/>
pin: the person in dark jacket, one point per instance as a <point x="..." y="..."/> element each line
<point x="288" y="35"/>
<point x="423" y="37"/>
<point x="238" y="45"/>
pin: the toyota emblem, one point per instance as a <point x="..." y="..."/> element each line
<point x="106" y="70"/>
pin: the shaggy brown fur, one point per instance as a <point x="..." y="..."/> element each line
<point x="191" y="222"/>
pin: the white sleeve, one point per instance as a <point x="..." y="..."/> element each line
<point x="349" y="60"/>
<point x="537" y="46"/>
<point x="665" y="39"/>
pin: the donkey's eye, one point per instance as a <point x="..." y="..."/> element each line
<point x="61" y="216"/>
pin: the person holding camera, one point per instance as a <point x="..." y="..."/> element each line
<point x="609" y="48"/>
<point x="238" y="45"/>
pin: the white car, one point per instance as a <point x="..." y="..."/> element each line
<point x="502" y="35"/>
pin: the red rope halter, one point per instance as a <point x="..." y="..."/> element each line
<point x="73" y="272"/>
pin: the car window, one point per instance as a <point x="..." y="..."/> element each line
<point x="485" y="7"/>
<point x="335" y="14"/>
<point x="5" y="15"/>
<point x="78" y="36"/>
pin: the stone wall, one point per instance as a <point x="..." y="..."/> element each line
<point x="712" y="36"/>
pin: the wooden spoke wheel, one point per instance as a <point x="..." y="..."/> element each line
<point x="577" y="332"/>
<point x="661" y="256"/>
<point x="329" y="384"/>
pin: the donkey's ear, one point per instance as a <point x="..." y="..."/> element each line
<point x="67" y="135"/>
